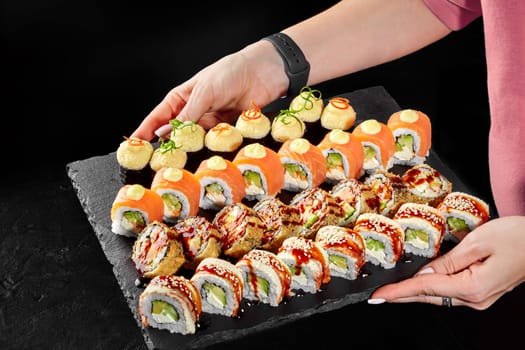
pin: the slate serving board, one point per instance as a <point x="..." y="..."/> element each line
<point x="96" y="182"/>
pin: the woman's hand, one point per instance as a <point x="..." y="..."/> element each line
<point x="485" y="265"/>
<point x="221" y="91"/>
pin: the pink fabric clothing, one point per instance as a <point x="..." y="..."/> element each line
<point x="505" y="55"/>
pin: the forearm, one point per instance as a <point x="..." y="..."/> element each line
<point x="357" y="34"/>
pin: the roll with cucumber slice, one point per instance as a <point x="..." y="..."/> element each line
<point x="171" y="303"/>
<point x="266" y="278"/>
<point x="220" y="285"/>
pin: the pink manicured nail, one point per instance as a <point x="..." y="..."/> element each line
<point x="376" y="301"/>
<point x="425" y="271"/>
<point x="163" y="130"/>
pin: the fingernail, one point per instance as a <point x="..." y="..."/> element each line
<point x="425" y="271"/>
<point x="376" y="301"/>
<point x="163" y="130"/>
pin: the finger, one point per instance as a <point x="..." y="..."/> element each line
<point x="199" y="102"/>
<point x="428" y="299"/>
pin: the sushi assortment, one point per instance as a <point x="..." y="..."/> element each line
<point x="269" y="221"/>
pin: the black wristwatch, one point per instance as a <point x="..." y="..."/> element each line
<point x="296" y="66"/>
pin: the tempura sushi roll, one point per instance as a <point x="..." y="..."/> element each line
<point x="308" y="104"/>
<point x="220" y="285"/>
<point x="345" y="248"/>
<point x="282" y="221"/>
<point x="338" y="114"/>
<point x="187" y="135"/>
<point x="242" y="230"/>
<point x="463" y="213"/>
<point x="304" y="165"/>
<point x="172" y="303"/>
<point x="168" y="155"/>
<point x="253" y="123"/>
<point x="133" y="157"/>
<point x="261" y="169"/>
<point x="384" y="239"/>
<point x="378" y="145"/>
<point x="424" y="228"/>
<point x="133" y="208"/>
<point x="344" y="156"/>
<point x="426" y="185"/>
<point x="180" y="192"/>
<point x="318" y="208"/>
<point x="224" y="138"/>
<point x="287" y="126"/>
<point x="200" y="239"/>
<point x="221" y="183"/>
<point x="413" y="136"/>
<point x="266" y="278"/>
<point x="389" y="188"/>
<point x="356" y="198"/>
<point x="157" y="251"/>
<point x="308" y="263"/>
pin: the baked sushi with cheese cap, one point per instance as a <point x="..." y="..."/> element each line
<point x="221" y="286"/>
<point x="338" y="114"/>
<point x="223" y="138"/>
<point x="463" y="213"/>
<point x="242" y="230"/>
<point x="281" y="220"/>
<point x="221" y="183"/>
<point x="187" y="135"/>
<point x="344" y="156"/>
<point x="133" y="208"/>
<point x="180" y="193"/>
<point x="261" y="169"/>
<point x="426" y="184"/>
<point x="267" y="279"/>
<point x="304" y="164"/>
<point x="287" y="126"/>
<point x="133" y="157"/>
<point x="200" y="239"/>
<point x="168" y="154"/>
<point x="424" y="227"/>
<point x="378" y="145"/>
<point x="412" y="131"/>
<point x="318" y="208"/>
<point x="308" y="263"/>
<point x="253" y="123"/>
<point x="157" y="251"/>
<point x="171" y="303"/>
<point x="308" y="104"/>
<point x="384" y="239"/>
<point x="345" y="248"/>
<point x="356" y="198"/>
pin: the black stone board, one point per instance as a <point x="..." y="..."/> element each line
<point x="96" y="181"/>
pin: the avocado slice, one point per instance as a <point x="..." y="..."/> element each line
<point x="216" y="292"/>
<point x="374" y="244"/>
<point x="412" y="234"/>
<point x="312" y="220"/>
<point x="133" y="220"/>
<point x="404" y="141"/>
<point x="214" y="188"/>
<point x="172" y="202"/>
<point x="369" y="152"/>
<point x="252" y="178"/>
<point x="295" y="171"/>
<point x="338" y="261"/>
<point x="160" y="307"/>
<point x="457" y="224"/>
<point x="334" y="160"/>
<point x="262" y="284"/>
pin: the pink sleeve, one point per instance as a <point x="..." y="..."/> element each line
<point x="455" y="14"/>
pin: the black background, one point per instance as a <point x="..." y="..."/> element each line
<point x="79" y="75"/>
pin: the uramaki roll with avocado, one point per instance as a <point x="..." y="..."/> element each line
<point x="266" y="278"/>
<point x="463" y="213"/>
<point x="424" y="228"/>
<point x="220" y="285"/>
<point x="378" y="145"/>
<point x="384" y="239"/>
<point x="157" y="251"/>
<point x="170" y="302"/>
<point x="345" y="248"/>
<point x="308" y="263"/>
